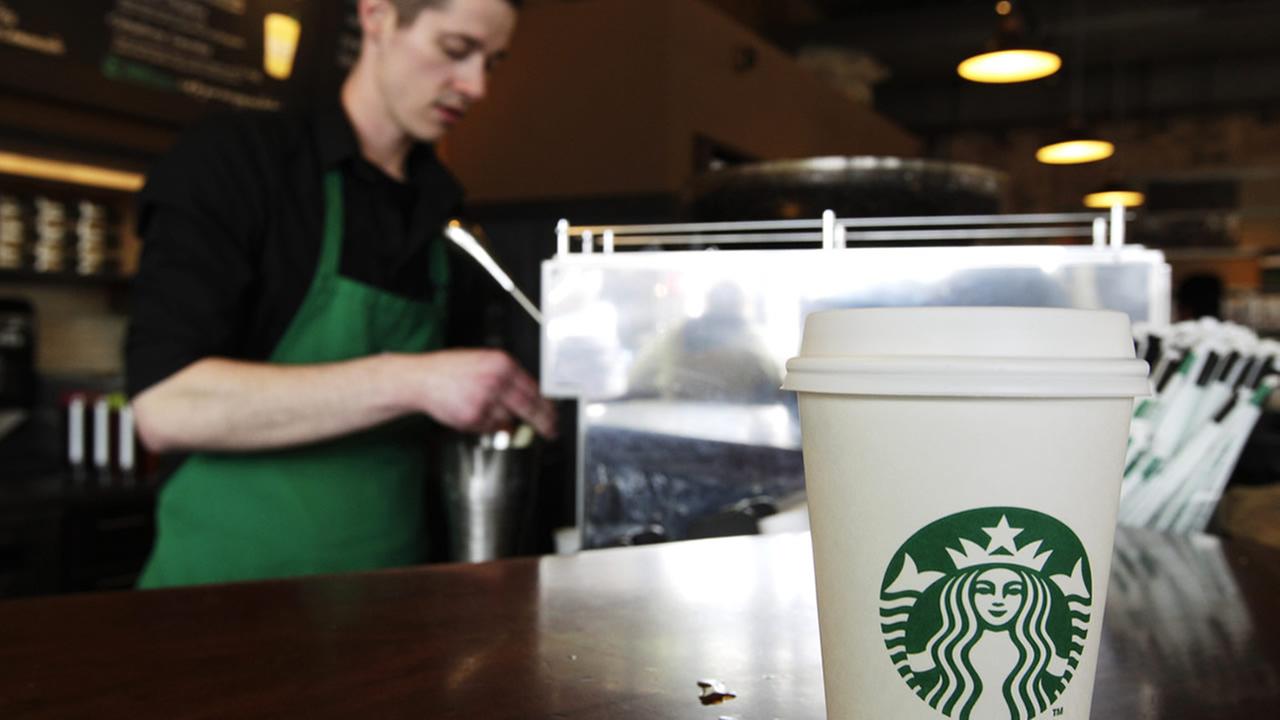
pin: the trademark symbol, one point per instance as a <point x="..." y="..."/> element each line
<point x="1057" y="712"/>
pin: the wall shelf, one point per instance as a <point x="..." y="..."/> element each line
<point x="31" y="277"/>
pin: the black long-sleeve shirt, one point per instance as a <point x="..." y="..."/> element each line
<point x="231" y="222"/>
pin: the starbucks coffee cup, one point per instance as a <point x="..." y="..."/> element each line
<point x="963" y="468"/>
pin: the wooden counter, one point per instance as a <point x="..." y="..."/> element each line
<point x="1190" y="633"/>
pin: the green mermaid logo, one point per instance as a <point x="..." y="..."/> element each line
<point x="985" y="612"/>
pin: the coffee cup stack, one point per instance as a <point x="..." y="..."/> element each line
<point x="91" y="238"/>
<point x="12" y="232"/>
<point x="50" y="247"/>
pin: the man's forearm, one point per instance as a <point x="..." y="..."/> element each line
<point x="220" y="404"/>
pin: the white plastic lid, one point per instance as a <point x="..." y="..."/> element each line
<point x="968" y="352"/>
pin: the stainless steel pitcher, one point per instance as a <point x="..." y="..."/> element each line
<point x="488" y="482"/>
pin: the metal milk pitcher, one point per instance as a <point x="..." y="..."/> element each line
<point x="488" y="492"/>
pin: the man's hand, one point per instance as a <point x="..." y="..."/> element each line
<point x="475" y="390"/>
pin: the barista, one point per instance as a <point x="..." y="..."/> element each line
<point x="293" y="307"/>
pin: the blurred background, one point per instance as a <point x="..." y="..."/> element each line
<point x="612" y="111"/>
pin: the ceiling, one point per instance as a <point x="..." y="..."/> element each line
<point x="1124" y="59"/>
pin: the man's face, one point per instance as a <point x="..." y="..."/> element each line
<point x="432" y="70"/>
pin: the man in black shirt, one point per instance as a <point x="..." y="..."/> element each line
<point x="291" y="314"/>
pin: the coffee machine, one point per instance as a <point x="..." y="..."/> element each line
<point x="673" y="338"/>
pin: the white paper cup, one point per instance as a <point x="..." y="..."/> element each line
<point x="963" y="469"/>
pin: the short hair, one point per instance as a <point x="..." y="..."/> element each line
<point x="407" y="10"/>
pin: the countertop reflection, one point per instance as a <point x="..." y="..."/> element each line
<point x="1190" y="621"/>
<point x="624" y="633"/>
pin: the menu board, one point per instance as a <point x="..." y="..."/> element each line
<point x="173" y="59"/>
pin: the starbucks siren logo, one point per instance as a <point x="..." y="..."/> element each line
<point x="985" y="612"/>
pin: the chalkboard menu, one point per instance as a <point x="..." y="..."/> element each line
<point x="171" y="60"/>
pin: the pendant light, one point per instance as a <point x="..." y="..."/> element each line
<point x="1115" y="193"/>
<point x="1075" y="145"/>
<point x="1009" y="58"/>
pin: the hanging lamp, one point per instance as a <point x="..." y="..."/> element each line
<point x="1115" y="193"/>
<point x="1073" y="147"/>
<point x="1009" y="57"/>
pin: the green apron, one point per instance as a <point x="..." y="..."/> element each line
<point x="354" y="503"/>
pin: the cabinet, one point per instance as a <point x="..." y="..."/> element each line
<point x="60" y="533"/>
<point x="28" y="551"/>
<point x="67" y="246"/>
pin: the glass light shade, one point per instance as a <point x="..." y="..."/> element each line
<point x="280" y="34"/>
<point x="1111" y="198"/>
<point x="1072" y="152"/>
<point x="1010" y="66"/>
